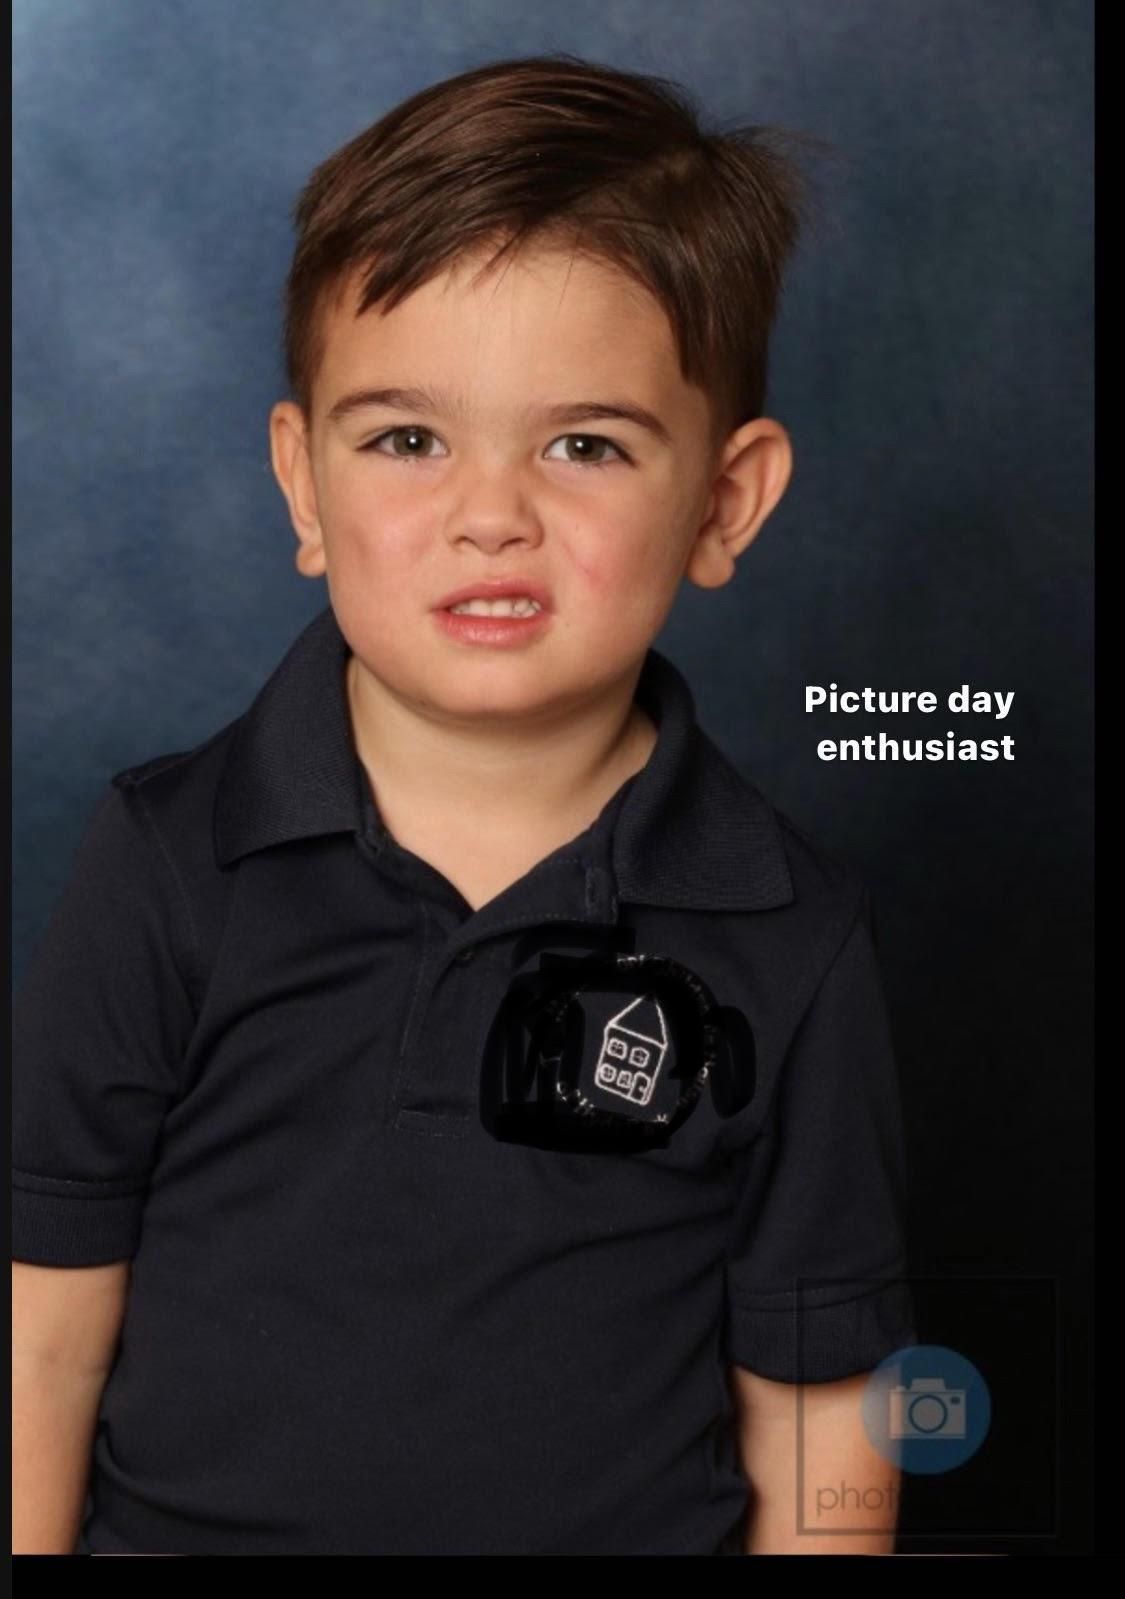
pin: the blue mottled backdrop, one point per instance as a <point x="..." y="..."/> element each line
<point x="933" y="364"/>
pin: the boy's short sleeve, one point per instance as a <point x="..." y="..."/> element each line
<point x="814" y="1285"/>
<point x="101" y="1023"/>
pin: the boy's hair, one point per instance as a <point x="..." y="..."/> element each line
<point x="556" y="150"/>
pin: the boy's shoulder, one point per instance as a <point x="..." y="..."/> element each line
<point x="178" y="767"/>
<point x="172" y="796"/>
<point x="818" y="877"/>
<point x="182" y="791"/>
<point x="816" y="868"/>
<point x="181" y="774"/>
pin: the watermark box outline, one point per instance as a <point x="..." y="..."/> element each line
<point x="961" y="1279"/>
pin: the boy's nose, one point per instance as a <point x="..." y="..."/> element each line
<point x="493" y="511"/>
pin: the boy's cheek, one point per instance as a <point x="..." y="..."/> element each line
<point x="590" y="574"/>
<point x="370" y="533"/>
<point x="612" y="562"/>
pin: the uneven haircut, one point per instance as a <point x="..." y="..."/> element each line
<point x="556" y="150"/>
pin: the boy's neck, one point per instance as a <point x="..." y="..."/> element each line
<point x="550" y="776"/>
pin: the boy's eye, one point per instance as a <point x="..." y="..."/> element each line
<point x="591" y="443"/>
<point x="410" y="434"/>
<point x="590" y="446"/>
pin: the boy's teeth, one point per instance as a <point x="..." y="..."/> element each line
<point x="506" y="607"/>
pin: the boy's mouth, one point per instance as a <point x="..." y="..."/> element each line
<point x="506" y="613"/>
<point x="501" y="597"/>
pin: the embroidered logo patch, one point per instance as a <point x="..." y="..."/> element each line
<point x="610" y="1050"/>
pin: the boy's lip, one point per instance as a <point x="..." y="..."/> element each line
<point x="495" y="588"/>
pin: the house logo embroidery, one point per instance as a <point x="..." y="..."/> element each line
<point x="609" y="1050"/>
<point x="634" y="1044"/>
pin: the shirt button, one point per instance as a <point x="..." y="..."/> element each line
<point x="464" y="956"/>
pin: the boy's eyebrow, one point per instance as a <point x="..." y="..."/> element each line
<point x="418" y="400"/>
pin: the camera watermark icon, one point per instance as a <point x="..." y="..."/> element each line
<point x="926" y="1408"/>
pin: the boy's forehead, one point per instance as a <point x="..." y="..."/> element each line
<point x="547" y="316"/>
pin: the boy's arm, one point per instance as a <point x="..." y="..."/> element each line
<point x="847" y="1494"/>
<point x="65" y="1327"/>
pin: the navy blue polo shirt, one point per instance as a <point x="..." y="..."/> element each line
<point x="247" y="1059"/>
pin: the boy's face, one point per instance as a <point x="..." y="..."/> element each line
<point x="400" y="503"/>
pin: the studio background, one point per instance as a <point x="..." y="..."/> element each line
<point x="933" y="364"/>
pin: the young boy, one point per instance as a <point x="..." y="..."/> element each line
<point x="454" y="1111"/>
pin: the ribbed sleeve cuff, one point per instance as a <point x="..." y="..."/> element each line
<point x="816" y="1335"/>
<point x="61" y="1223"/>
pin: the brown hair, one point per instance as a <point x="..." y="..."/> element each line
<point x="547" y="148"/>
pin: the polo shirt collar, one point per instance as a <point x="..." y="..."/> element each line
<point x="690" y="833"/>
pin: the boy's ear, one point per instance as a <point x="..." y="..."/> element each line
<point x="753" y="473"/>
<point x="292" y="466"/>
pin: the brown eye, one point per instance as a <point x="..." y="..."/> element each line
<point x="589" y="448"/>
<point x="414" y="438"/>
